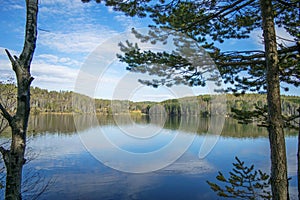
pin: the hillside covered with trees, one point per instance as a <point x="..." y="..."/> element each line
<point x="44" y="101"/>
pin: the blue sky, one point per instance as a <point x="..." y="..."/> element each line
<point x="69" y="33"/>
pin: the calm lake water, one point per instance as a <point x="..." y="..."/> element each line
<point x="78" y="163"/>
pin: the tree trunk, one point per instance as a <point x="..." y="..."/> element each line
<point x="14" y="157"/>
<point x="279" y="180"/>
<point x="14" y="166"/>
<point x="298" y="157"/>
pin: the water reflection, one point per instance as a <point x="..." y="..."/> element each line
<point x="138" y="149"/>
<point x="79" y="175"/>
<point x="64" y="124"/>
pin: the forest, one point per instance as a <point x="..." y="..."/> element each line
<point x="198" y="29"/>
<point x="44" y="101"/>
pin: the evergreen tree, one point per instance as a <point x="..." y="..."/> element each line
<point x="244" y="183"/>
<point x="208" y="22"/>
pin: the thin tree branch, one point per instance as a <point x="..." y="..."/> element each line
<point x="223" y="12"/>
<point x="4" y="153"/>
<point x="261" y="55"/>
<point x="40" y="29"/>
<point x="244" y="52"/>
<point x="236" y="8"/>
<point x="288" y="119"/>
<point x="294" y="4"/>
<point x="12" y="59"/>
<point x="5" y="114"/>
<point x="3" y="128"/>
<point x="3" y="150"/>
<point x="240" y="63"/>
<point x="285" y="39"/>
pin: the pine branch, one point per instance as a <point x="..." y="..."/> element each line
<point x="285" y="3"/>
<point x="239" y="54"/>
<point x="243" y="52"/>
<point x="223" y="12"/>
<point x="244" y="183"/>
<point x="245" y="60"/>
<point x="234" y="8"/>
<point x="242" y="63"/>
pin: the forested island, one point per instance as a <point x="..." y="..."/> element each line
<point x="44" y="101"/>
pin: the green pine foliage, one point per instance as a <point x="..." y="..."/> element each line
<point x="243" y="183"/>
<point x="207" y="24"/>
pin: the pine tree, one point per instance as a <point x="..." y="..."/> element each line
<point x="210" y="22"/>
<point x="244" y="183"/>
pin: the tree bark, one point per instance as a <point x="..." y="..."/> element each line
<point x="279" y="181"/>
<point x="14" y="157"/>
<point x="298" y="157"/>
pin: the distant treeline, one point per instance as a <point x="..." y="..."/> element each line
<point x="44" y="101"/>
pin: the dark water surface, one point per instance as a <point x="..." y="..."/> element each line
<point x="64" y="156"/>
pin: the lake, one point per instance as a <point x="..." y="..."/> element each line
<point x="141" y="157"/>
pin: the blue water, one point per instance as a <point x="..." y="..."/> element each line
<point x="73" y="170"/>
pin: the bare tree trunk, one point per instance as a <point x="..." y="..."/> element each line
<point x="14" y="164"/>
<point x="14" y="157"/>
<point x="279" y="181"/>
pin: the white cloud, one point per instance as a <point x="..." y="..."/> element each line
<point x="257" y="37"/>
<point x="12" y="5"/>
<point x="72" y="26"/>
<point x="284" y="37"/>
<point x="54" y="75"/>
<point x="110" y="9"/>
<point x="61" y="6"/>
<point x="127" y="22"/>
<point x="16" y="7"/>
<point x="192" y="167"/>
<point x="54" y="71"/>
<point x="47" y="73"/>
<point x="48" y="57"/>
<point x="53" y="59"/>
<point x="74" y="42"/>
<point x="6" y="71"/>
